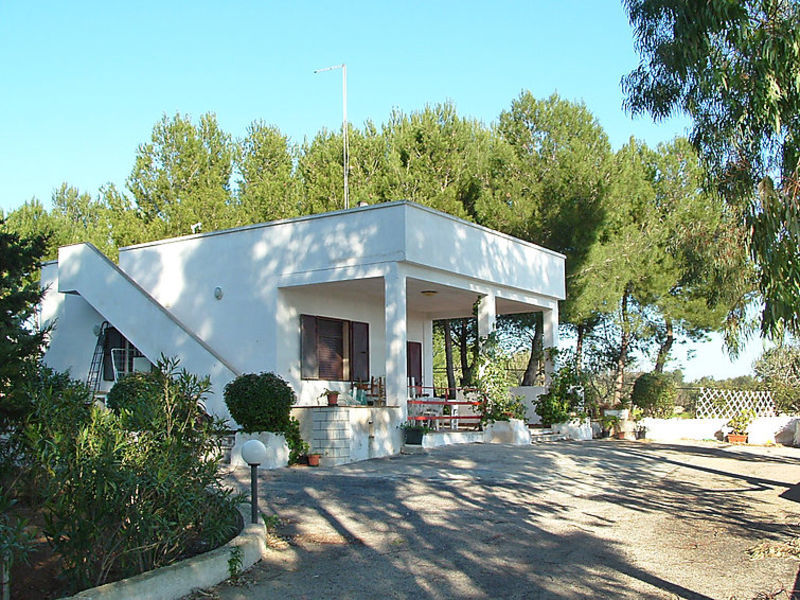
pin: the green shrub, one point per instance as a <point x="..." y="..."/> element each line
<point x="71" y="404"/>
<point x="263" y="402"/>
<point x="562" y="401"/>
<point x="655" y="394"/>
<point x="136" y="397"/>
<point x="126" y="501"/>
<point x="741" y="421"/>
<point x="494" y="381"/>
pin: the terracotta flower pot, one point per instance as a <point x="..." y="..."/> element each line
<point x="313" y="460"/>
<point x="737" y="438"/>
<point x="333" y="399"/>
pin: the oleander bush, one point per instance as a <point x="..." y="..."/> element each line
<point x="121" y="499"/>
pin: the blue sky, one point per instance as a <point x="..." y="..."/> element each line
<point x="84" y="82"/>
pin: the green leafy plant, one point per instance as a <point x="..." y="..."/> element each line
<point x="655" y="394"/>
<point x="235" y="562"/>
<point x="15" y="540"/>
<point x="494" y="380"/>
<point x="610" y="423"/>
<point x="563" y="399"/>
<point x="263" y="402"/>
<point x="741" y="421"/>
<point x="136" y="397"/>
<point x="123" y="500"/>
<point x="414" y="426"/>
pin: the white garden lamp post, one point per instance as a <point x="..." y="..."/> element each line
<point x="254" y="453"/>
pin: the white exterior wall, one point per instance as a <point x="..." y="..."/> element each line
<point x="332" y="265"/>
<point x="482" y="254"/>
<point x="73" y="320"/>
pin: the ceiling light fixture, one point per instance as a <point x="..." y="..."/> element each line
<point x="429" y="293"/>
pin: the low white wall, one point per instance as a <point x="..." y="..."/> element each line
<point x="277" y="449"/>
<point x="574" y="430"/>
<point x="513" y="431"/>
<point x="434" y="439"/>
<point x="182" y="578"/>
<point x="763" y="430"/>
<point x="528" y="395"/>
<point x="373" y="430"/>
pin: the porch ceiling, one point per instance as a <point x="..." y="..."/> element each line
<point x="446" y="302"/>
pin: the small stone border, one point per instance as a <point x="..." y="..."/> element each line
<point x="184" y="577"/>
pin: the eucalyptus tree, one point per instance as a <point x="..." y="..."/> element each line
<point x="706" y="279"/>
<point x="732" y="67"/>
<point x="183" y="177"/>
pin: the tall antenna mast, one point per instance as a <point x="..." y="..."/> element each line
<point x="345" y="145"/>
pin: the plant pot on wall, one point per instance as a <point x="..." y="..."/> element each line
<point x="414" y="436"/>
<point x="333" y="397"/>
<point x="737" y="438"/>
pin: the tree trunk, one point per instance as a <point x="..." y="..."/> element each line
<point x="623" y="351"/>
<point x="535" y="366"/>
<point x="448" y="357"/>
<point x="463" y="347"/>
<point x="579" y="348"/>
<point x="666" y="346"/>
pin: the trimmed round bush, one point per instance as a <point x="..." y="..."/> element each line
<point x="137" y="397"/>
<point x="260" y="402"/>
<point x="655" y="394"/>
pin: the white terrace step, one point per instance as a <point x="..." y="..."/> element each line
<point x="545" y="435"/>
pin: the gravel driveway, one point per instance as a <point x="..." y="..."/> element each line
<point x="600" y="519"/>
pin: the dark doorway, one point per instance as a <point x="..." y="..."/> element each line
<point x="414" y="364"/>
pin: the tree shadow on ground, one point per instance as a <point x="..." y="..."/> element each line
<point x="470" y="530"/>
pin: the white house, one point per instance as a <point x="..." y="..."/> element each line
<point x="323" y="301"/>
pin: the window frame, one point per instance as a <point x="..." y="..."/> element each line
<point x="354" y="359"/>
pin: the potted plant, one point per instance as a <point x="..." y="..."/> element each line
<point x="609" y="423"/>
<point x="332" y="395"/>
<point x="413" y="432"/>
<point x="313" y="459"/>
<point x="739" y="424"/>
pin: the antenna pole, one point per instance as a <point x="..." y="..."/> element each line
<point x="345" y="143"/>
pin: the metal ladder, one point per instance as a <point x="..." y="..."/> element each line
<point x="96" y="368"/>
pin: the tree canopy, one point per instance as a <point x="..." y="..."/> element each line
<point x="653" y="255"/>
<point x="732" y="66"/>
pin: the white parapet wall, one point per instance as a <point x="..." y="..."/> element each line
<point x="763" y="430"/>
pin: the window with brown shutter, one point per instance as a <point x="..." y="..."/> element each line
<point x="334" y="349"/>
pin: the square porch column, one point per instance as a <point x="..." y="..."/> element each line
<point x="487" y="315"/>
<point x="394" y="282"/>
<point x="549" y="338"/>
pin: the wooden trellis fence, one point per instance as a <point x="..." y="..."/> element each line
<point x="716" y="403"/>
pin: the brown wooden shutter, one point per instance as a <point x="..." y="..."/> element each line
<point x="330" y="349"/>
<point x="308" y="347"/>
<point x="359" y="357"/>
